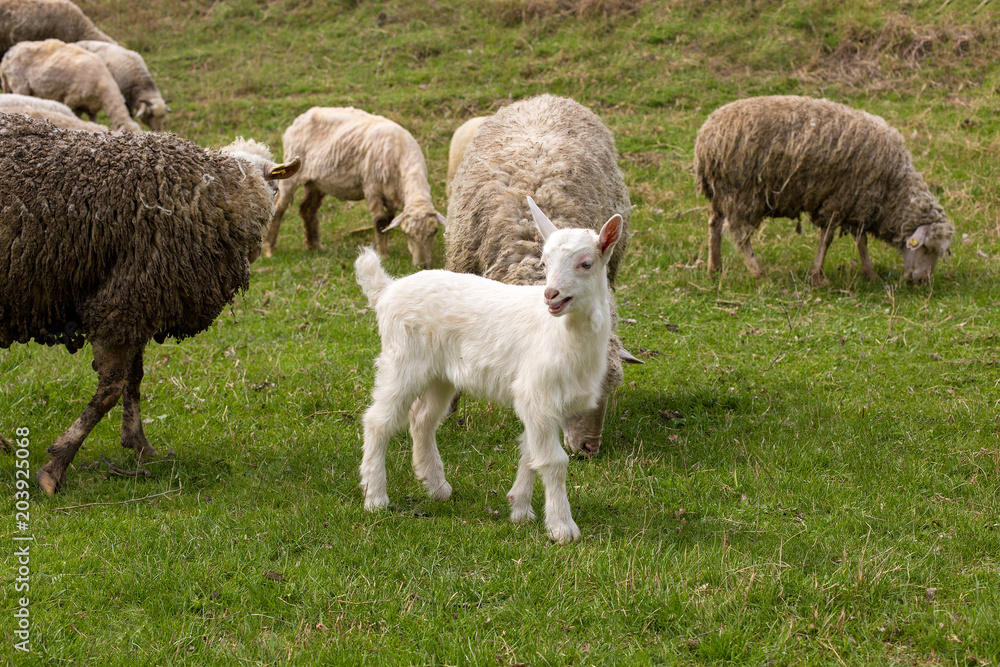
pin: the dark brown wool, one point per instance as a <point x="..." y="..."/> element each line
<point x="116" y="240"/>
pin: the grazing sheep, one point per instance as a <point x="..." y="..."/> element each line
<point x="539" y="348"/>
<point x="119" y="239"/>
<point x="35" y="20"/>
<point x="66" y="122"/>
<point x="9" y="100"/>
<point x="352" y="155"/>
<point x="58" y="71"/>
<point x="782" y="156"/>
<point x="142" y="97"/>
<point x="459" y="142"/>
<point x="560" y="153"/>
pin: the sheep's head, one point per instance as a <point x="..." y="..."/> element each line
<point x="571" y="258"/>
<point x="152" y="112"/>
<point x="420" y="227"/>
<point x="928" y="242"/>
<point x="259" y="156"/>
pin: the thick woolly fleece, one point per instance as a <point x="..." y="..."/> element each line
<point x="34" y="20"/>
<point x="781" y="156"/>
<point x="120" y="238"/>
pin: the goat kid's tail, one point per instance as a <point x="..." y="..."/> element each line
<point x="370" y="275"/>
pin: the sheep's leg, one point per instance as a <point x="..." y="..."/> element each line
<point x="715" y="224"/>
<point x="132" y="434"/>
<point x="825" y="239"/>
<point x="309" y="210"/>
<point x="286" y="195"/>
<point x="551" y="463"/>
<point x="426" y="414"/>
<point x="866" y="261"/>
<point x="381" y="217"/>
<point x="741" y="236"/>
<point x="113" y="367"/>
<point x="392" y="397"/>
<point x="519" y="495"/>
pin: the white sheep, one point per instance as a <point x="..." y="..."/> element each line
<point x="352" y="155"/>
<point x="13" y="100"/>
<point x="35" y="20"/>
<point x="539" y="348"/>
<point x="558" y="152"/>
<point x="61" y="120"/>
<point x="64" y="72"/>
<point x="459" y="141"/>
<point x="142" y="96"/>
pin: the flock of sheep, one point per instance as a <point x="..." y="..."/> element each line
<point x="119" y="238"/>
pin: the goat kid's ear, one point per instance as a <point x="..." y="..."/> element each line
<point x="285" y="170"/>
<point x="396" y="222"/>
<point x="610" y="233"/>
<point x="544" y="225"/>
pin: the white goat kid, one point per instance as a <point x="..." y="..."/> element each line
<point x="539" y="348"/>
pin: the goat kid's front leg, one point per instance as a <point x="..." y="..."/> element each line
<point x="113" y="366"/>
<point x="551" y="462"/>
<point x="519" y="495"/>
<point x="426" y="414"/>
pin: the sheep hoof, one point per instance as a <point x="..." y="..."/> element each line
<point x="818" y="279"/>
<point x="564" y="533"/>
<point x="49" y="484"/>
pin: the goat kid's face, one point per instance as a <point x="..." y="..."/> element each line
<point x="571" y="257"/>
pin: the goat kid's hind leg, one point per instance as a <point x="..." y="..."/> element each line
<point x="113" y="367"/>
<point x="426" y="414"/>
<point x="132" y="433"/>
<point x="391" y="400"/>
<point x="519" y="495"/>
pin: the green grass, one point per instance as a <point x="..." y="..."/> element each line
<point x="796" y="476"/>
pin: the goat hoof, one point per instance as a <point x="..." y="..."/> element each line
<point x="376" y="502"/>
<point x="443" y="492"/>
<point x="521" y="516"/>
<point x="49" y="484"/>
<point x="564" y="534"/>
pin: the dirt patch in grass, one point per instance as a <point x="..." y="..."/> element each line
<point x="514" y="12"/>
<point x="888" y="55"/>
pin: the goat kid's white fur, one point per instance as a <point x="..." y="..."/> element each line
<point x="539" y="348"/>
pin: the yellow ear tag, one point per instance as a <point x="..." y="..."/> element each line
<point x="914" y="243"/>
<point x="278" y="171"/>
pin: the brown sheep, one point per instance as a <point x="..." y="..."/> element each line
<point x="782" y="156"/>
<point x="35" y="20"/>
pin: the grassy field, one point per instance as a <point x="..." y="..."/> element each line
<point x="796" y="475"/>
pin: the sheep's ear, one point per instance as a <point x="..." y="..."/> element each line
<point x="544" y="225"/>
<point x="442" y="220"/>
<point x="919" y="237"/>
<point x="610" y="233"/>
<point x="396" y="222"/>
<point x="143" y="110"/>
<point x="285" y="170"/>
<point x="628" y="357"/>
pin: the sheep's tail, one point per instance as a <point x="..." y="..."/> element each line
<point x="370" y="275"/>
